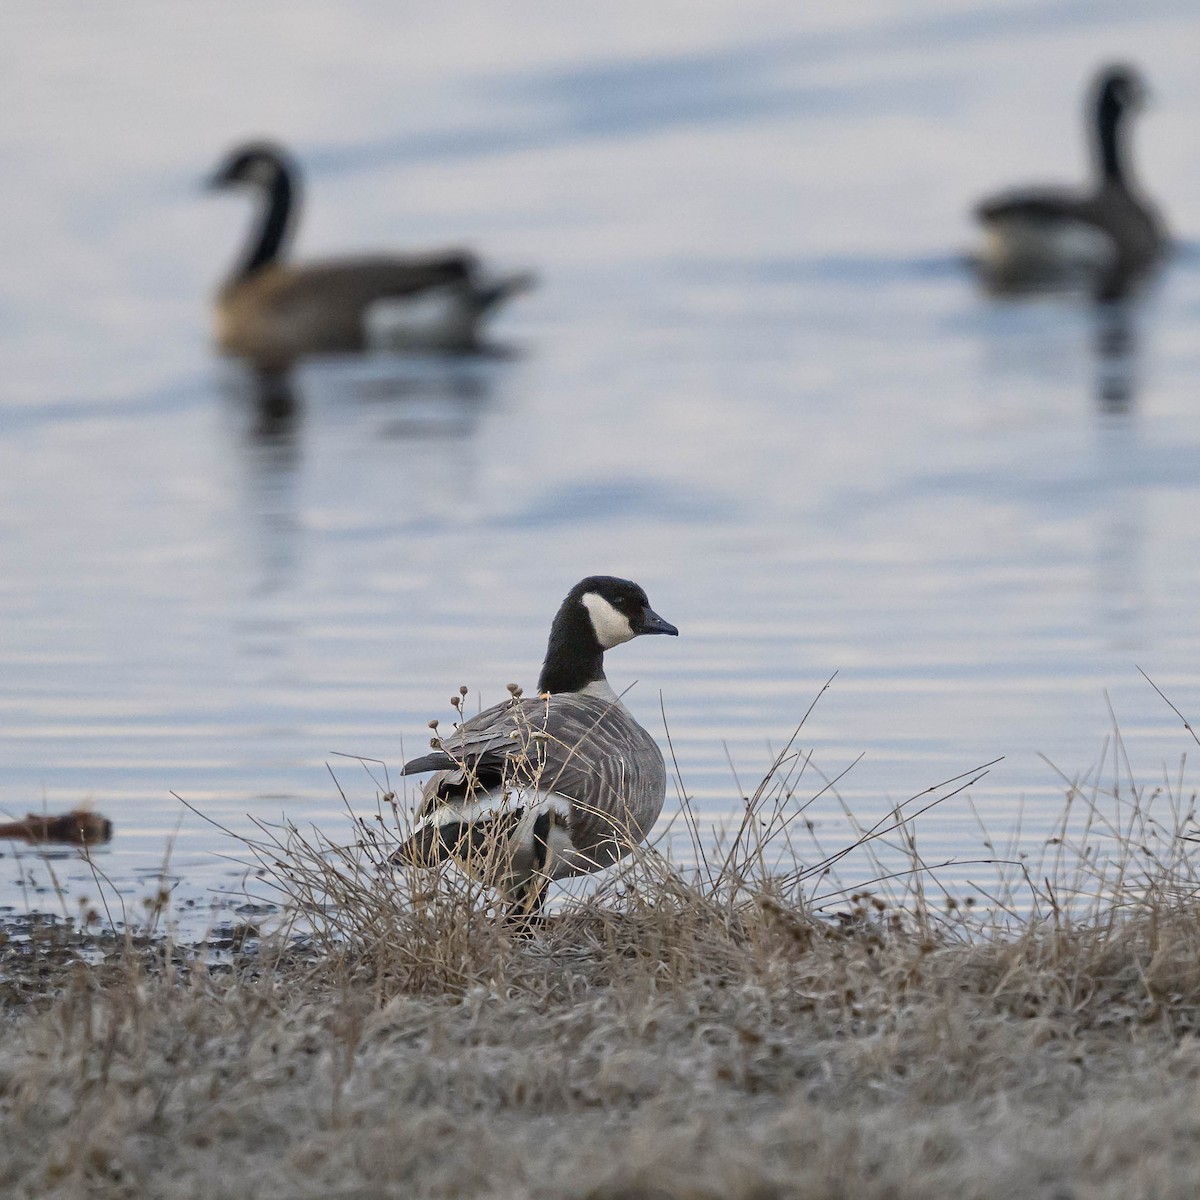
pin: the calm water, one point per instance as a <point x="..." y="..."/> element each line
<point x="757" y="378"/>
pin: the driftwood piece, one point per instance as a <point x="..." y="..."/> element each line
<point x="79" y="827"/>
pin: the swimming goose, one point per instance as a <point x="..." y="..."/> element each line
<point x="1048" y="236"/>
<point x="272" y="312"/>
<point x="559" y="784"/>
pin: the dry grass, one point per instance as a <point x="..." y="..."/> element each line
<point x="704" y="1033"/>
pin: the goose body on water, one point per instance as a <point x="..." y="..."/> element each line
<point x="1107" y="237"/>
<point x="272" y="312"/>
<point x="553" y="785"/>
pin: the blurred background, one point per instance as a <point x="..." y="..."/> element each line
<point x="757" y="376"/>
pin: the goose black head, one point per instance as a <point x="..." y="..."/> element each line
<point x="267" y="168"/>
<point x="600" y="612"/>
<point x="1119" y="89"/>
<point x="259" y="164"/>
<point x="618" y="610"/>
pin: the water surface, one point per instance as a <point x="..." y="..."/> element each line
<point x="757" y="378"/>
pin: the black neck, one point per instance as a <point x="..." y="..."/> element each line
<point x="1110" y="125"/>
<point x="573" y="656"/>
<point x="268" y="243"/>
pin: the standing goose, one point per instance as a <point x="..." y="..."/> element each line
<point x="546" y="787"/>
<point x="272" y="312"/>
<point x="1051" y="236"/>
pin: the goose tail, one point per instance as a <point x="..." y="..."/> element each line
<point x="426" y="846"/>
<point x="498" y="838"/>
<point x="491" y="292"/>
<point x="464" y="831"/>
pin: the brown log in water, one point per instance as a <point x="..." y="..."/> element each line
<point x="79" y="827"/>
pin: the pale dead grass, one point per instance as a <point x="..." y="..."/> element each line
<point x="677" y="1035"/>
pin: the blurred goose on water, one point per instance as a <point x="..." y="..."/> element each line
<point x="1052" y="237"/>
<point x="272" y="312"/>
<point x="550" y="786"/>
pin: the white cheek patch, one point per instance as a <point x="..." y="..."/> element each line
<point x="612" y="628"/>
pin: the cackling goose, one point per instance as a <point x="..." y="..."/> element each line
<point x="559" y="784"/>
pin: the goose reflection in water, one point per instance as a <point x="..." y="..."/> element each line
<point x="1115" y="349"/>
<point x="1052" y="345"/>
<point x="349" y="447"/>
<point x="1121" y="526"/>
<point x="273" y="405"/>
<point x="447" y="404"/>
<point x="1051" y="361"/>
<point x="396" y="399"/>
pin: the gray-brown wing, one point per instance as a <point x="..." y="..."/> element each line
<point x="548" y="732"/>
<point x="589" y="749"/>
<point x="488" y="734"/>
<point x="1053" y="204"/>
<point x="614" y="773"/>
<point x="371" y="278"/>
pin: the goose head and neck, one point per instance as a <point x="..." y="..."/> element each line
<point x="1119" y="92"/>
<point x="267" y="168"/>
<point x="600" y="612"/>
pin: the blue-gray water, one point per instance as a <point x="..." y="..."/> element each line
<point x="756" y="377"/>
